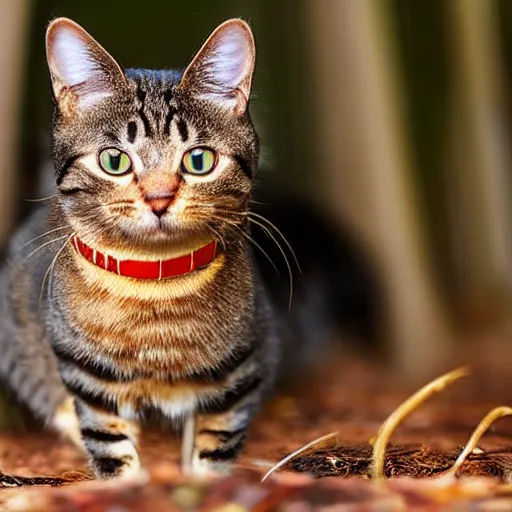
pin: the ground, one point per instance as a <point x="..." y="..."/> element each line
<point x="349" y="397"/>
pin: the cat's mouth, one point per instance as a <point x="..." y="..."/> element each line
<point x="157" y="269"/>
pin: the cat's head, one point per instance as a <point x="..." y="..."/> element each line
<point x="146" y="160"/>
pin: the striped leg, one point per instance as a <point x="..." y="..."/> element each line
<point x="221" y="427"/>
<point x="110" y="442"/>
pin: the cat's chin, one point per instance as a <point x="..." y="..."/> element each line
<point x="145" y="245"/>
<point x="154" y="249"/>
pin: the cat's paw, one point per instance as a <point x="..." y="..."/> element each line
<point x="113" y="468"/>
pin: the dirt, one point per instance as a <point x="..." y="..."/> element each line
<point x="350" y="397"/>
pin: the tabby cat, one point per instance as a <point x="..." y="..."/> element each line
<point x="144" y="295"/>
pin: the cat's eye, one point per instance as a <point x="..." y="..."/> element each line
<point x="199" y="161"/>
<point x="114" y="161"/>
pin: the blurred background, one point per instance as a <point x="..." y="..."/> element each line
<point x="391" y="117"/>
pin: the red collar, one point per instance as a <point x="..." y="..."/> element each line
<point x="160" y="269"/>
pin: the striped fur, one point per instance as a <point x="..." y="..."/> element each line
<point x="203" y="344"/>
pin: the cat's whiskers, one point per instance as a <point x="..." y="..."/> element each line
<point x="92" y="231"/>
<point x="205" y="219"/>
<point x="271" y="225"/>
<point x="99" y="206"/>
<point x="219" y="238"/>
<point x="43" y="235"/>
<point x="40" y="199"/>
<point x="126" y="202"/>
<point x="49" y="270"/>
<point x="234" y="224"/>
<point x="256" y="244"/>
<point x="288" y="266"/>
<point x="258" y="221"/>
<point x="42" y="246"/>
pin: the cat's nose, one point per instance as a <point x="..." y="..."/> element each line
<point x="159" y="205"/>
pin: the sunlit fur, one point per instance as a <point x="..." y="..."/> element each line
<point x="202" y="343"/>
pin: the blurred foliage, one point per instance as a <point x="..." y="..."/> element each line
<point x="422" y="40"/>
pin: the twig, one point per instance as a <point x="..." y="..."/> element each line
<point x="479" y="431"/>
<point x="401" y="412"/>
<point x="297" y="452"/>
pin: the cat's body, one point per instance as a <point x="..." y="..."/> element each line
<point x="146" y="295"/>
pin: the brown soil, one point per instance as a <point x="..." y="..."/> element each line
<point x="349" y="397"/>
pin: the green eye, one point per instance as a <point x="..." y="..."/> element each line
<point x="199" y="161"/>
<point x="114" y="161"/>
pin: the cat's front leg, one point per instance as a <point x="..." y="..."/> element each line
<point x="220" y="429"/>
<point x="109" y="441"/>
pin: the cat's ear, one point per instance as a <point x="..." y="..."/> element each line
<point x="222" y="69"/>
<point x="83" y="73"/>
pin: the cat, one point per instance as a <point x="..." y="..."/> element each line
<point x="145" y="295"/>
<point x="136" y="290"/>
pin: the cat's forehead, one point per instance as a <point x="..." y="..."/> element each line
<point x="154" y="90"/>
<point x="154" y="82"/>
<point x="159" y="115"/>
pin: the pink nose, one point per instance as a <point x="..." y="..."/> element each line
<point x="160" y="205"/>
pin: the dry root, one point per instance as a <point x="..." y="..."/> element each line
<point x="385" y="432"/>
<point x="479" y="431"/>
<point x="315" y="443"/>
<point x="382" y="438"/>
